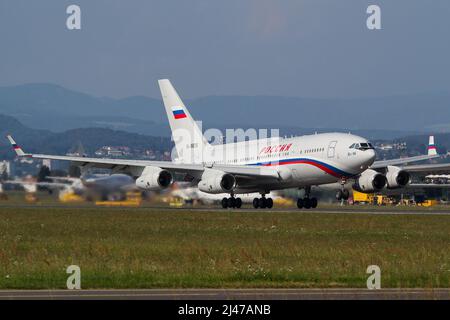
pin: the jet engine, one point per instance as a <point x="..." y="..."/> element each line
<point x="154" y="178"/>
<point x="215" y="181"/>
<point x="396" y="177"/>
<point x="370" y="181"/>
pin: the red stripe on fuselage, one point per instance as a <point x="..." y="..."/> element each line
<point x="317" y="165"/>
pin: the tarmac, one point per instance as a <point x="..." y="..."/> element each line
<point x="228" y="294"/>
<point x="325" y="210"/>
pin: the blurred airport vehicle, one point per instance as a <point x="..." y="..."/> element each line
<point x="3" y="196"/>
<point x="132" y="199"/>
<point x="369" y="198"/>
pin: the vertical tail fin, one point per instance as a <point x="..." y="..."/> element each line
<point x="189" y="141"/>
<point x="16" y="148"/>
<point x="431" y="147"/>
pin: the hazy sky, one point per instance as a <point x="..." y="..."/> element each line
<point x="313" y="48"/>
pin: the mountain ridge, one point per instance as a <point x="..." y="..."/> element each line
<point x="33" y="104"/>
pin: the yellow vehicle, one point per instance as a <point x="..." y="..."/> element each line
<point x="31" y="197"/>
<point x="176" y="202"/>
<point x="427" y="203"/>
<point x="70" y="197"/>
<point x="370" y="198"/>
<point x="133" y="199"/>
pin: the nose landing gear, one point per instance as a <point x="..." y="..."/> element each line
<point x="342" y="194"/>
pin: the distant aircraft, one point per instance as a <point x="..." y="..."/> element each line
<point x="90" y="186"/>
<point x="258" y="166"/>
<point x="105" y="187"/>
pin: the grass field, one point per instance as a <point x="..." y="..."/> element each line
<point x="150" y="248"/>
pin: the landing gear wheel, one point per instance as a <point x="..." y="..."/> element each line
<point x="238" y="202"/>
<point x="300" y="203"/>
<point x="345" y="194"/>
<point x="256" y="203"/>
<point x="269" y="203"/>
<point x="313" y="203"/>
<point x="342" y="195"/>
<point x="231" y="202"/>
<point x="224" y="203"/>
<point x="307" y="203"/>
<point x="262" y="203"/>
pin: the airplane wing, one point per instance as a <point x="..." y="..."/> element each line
<point x="431" y="154"/>
<point x="135" y="167"/>
<point x="40" y="184"/>
<point x="384" y="163"/>
<point x="63" y="179"/>
<point x="428" y="168"/>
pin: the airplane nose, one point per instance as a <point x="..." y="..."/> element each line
<point x="369" y="158"/>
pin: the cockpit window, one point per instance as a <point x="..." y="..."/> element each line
<point x="362" y="146"/>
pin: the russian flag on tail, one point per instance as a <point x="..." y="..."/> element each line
<point x="178" y="112"/>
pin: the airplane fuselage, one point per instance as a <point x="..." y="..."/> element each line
<point x="300" y="161"/>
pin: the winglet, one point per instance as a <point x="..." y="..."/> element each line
<point x="16" y="148"/>
<point x="431" y="147"/>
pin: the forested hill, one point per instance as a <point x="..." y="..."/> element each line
<point x="44" y="141"/>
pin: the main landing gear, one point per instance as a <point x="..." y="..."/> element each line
<point x="231" y="202"/>
<point x="307" y="202"/>
<point x="262" y="202"/>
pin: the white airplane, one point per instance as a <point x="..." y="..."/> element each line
<point x="97" y="186"/>
<point x="260" y="165"/>
<point x="90" y="186"/>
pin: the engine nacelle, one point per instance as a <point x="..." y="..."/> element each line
<point x="396" y="177"/>
<point x="215" y="181"/>
<point x="370" y="181"/>
<point x="154" y="178"/>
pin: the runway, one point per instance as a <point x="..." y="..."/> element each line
<point x="229" y="294"/>
<point x="320" y="210"/>
<point x="334" y="210"/>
